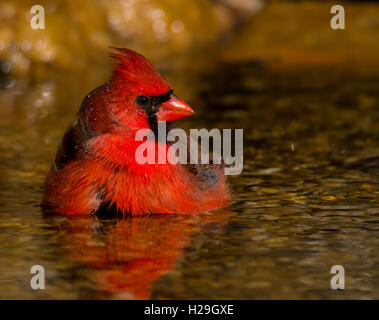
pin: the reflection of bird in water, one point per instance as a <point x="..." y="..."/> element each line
<point x="126" y="256"/>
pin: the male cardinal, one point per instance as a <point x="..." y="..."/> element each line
<point x="95" y="167"/>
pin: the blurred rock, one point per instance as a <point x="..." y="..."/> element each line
<point x="299" y="33"/>
<point x="244" y="7"/>
<point x="74" y="30"/>
<point x="77" y="33"/>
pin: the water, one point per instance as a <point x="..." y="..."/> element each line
<point x="306" y="200"/>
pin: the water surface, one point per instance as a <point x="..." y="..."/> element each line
<point x="306" y="200"/>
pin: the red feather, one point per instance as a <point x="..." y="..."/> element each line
<point x="96" y="166"/>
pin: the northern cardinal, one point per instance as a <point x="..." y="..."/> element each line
<point x="95" y="167"/>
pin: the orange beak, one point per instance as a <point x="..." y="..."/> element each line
<point x="174" y="109"/>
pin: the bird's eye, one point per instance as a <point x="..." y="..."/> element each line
<point x="143" y="101"/>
